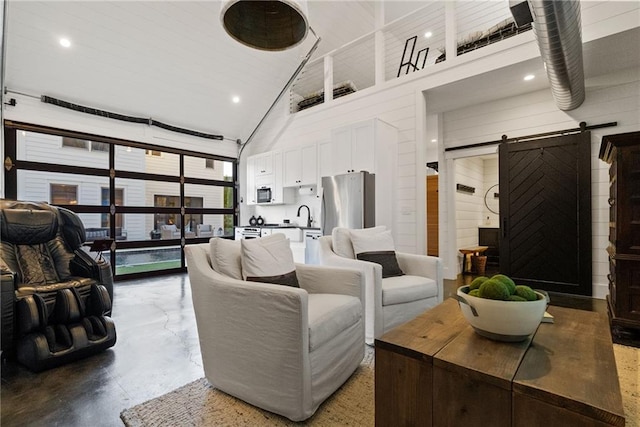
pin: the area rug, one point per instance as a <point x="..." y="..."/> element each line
<point x="199" y="404"/>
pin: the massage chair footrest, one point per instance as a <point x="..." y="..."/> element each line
<point x="70" y="329"/>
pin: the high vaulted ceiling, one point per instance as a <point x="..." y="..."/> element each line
<point x="173" y="62"/>
<point x="167" y="60"/>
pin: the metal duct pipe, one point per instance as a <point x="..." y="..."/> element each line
<point x="556" y="25"/>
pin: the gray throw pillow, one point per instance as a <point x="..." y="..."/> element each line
<point x="378" y="248"/>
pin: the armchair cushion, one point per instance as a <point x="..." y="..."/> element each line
<point x="341" y="238"/>
<point x="402" y="289"/>
<point x="268" y="259"/>
<point x="378" y="248"/>
<point x="225" y="257"/>
<point x="330" y="314"/>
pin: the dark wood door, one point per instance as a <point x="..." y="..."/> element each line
<point x="432" y="215"/>
<point x="545" y="211"/>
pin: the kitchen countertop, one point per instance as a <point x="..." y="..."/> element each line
<point x="272" y="226"/>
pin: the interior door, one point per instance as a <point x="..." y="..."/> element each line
<point x="432" y="215"/>
<point x="545" y="211"/>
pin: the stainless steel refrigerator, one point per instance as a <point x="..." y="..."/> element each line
<point x="349" y="201"/>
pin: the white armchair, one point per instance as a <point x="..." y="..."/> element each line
<point x="169" y="231"/>
<point x="391" y="301"/>
<point x="280" y="348"/>
<point x="204" y="230"/>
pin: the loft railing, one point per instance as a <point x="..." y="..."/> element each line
<point x="402" y="47"/>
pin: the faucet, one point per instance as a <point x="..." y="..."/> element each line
<point x="308" y="214"/>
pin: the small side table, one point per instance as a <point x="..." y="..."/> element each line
<point x="468" y="253"/>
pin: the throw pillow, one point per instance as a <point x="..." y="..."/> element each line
<point x="341" y="239"/>
<point x="378" y="248"/>
<point x="269" y="259"/>
<point x="225" y="257"/>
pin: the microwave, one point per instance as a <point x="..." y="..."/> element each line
<point x="263" y="195"/>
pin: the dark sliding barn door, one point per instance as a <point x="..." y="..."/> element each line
<point x="545" y="210"/>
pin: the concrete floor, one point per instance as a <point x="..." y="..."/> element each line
<point x="156" y="352"/>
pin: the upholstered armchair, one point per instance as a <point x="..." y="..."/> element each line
<point x="281" y="348"/>
<point x="56" y="298"/>
<point x="393" y="300"/>
<point x="169" y="231"/>
<point x="204" y="230"/>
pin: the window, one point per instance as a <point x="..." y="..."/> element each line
<point x="75" y="142"/>
<point x="104" y="191"/>
<point x="174" y="201"/>
<point x="85" y="144"/>
<point x="65" y="171"/>
<point x="99" y="146"/>
<point x="63" y="194"/>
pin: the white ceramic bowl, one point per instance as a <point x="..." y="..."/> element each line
<point x="502" y="320"/>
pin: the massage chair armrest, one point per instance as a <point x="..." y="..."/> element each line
<point x="7" y="307"/>
<point x="83" y="265"/>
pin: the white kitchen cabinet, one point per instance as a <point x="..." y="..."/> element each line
<point x="279" y="193"/>
<point x="371" y="146"/>
<point x="263" y="163"/>
<point x="258" y="178"/>
<point x="354" y="148"/>
<point x="251" y="181"/>
<point x="300" y="166"/>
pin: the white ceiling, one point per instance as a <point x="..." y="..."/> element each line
<point x="171" y="60"/>
<point x="168" y="60"/>
<point x="600" y="57"/>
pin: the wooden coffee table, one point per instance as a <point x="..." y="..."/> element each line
<point x="436" y="371"/>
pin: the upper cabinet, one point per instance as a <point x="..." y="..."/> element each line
<point x="369" y="146"/>
<point x="263" y="163"/>
<point x="353" y="148"/>
<point x="251" y="180"/>
<point x="265" y="170"/>
<point x="300" y="166"/>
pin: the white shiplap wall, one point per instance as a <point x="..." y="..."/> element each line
<point x="470" y="172"/>
<point x="397" y="107"/>
<point x="490" y="179"/>
<point x="609" y="98"/>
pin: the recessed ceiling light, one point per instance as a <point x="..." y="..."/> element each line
<point x="428" y="34"/>
<point x="235" y="99"/>
<point x="529" y="77"/>
<point x="434" y="140"/>
<point x="65" y="42"/>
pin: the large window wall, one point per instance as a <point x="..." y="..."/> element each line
<point x="150" y="200"/>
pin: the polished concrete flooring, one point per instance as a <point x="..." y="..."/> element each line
<point x="157" y="351"/>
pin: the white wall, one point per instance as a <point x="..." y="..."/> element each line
<point x="490" y="219"/>
<point x="470" y="172"/>
<point x="402" y="104"/>
<point x="614" y="97"/>
<point x="31" y="110"/>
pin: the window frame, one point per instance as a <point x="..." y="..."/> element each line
<point x="113" y="209"/>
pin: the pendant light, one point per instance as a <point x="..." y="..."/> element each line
<point x="266" y="24"/>
<point x="272" y="26"/>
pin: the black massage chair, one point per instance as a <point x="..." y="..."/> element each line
<point x="55" y="298"/>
